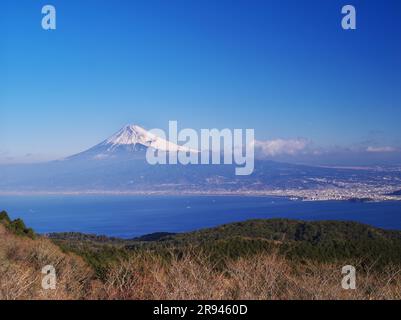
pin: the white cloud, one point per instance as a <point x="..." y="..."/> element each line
<point x="381" y="149"/>
<point x="279" y="147"/>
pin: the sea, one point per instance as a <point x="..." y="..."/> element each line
<point x="129" y="216"/>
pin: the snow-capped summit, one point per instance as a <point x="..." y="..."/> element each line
<point x="129" y="139"/>
<point x="130" y="134"/>
<point x="133" y="134"/>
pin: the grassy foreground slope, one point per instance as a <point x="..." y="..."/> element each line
<point x="257" y="259"/>
<point x="22" y="257"/>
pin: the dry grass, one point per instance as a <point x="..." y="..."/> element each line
<point x="21" y="263"/>
<point x="259" y="277"/>
<point x="189" y="276"/>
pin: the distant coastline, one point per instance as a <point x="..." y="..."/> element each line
<point x="295" y="195"/>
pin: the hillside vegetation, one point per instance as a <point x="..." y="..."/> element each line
<point x="321" y="241"/>
<point x="22" y="257"/>
<point x="257" y="259"/>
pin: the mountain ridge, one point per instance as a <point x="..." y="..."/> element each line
<point x="129" y="139"/>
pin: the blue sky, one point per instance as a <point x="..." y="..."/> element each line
<point x="283" y="67"/>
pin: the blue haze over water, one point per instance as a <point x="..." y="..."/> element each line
<point x="130" y="216"/>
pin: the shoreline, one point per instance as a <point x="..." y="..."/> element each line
<point x="288" y="194"/>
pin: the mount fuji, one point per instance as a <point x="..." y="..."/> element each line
<point x="131" y="141"/>
<point x="116" y="164"/>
